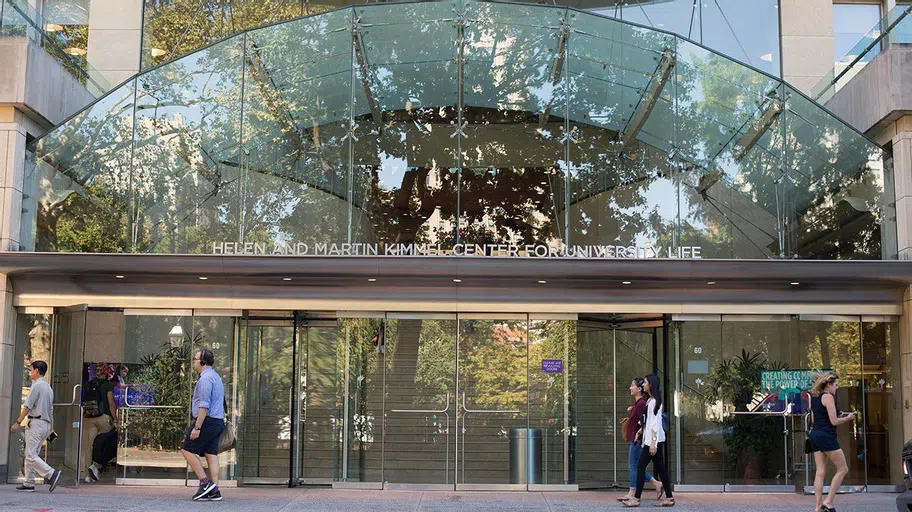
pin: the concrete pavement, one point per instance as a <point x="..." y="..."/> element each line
<point x="277" y="499"/>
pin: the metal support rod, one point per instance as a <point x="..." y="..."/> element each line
<point x="566" y="409"/>
<point x="346" y="419"/>
<point x="785" y="460"/>
<point x="807" y="460"/>
<point x="614" y="401"/>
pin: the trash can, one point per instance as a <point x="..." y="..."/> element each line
<point x="525" y="456"/>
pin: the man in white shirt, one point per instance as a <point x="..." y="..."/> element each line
<point x="39" y="407"/>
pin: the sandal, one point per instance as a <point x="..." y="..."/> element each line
<point x="668" y="502"/>
<point x="632" y="502"/>
<point x="624" y="497"/>
<point x="659" y="490"/>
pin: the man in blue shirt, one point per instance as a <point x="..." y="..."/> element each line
<point x="205" y="429"/>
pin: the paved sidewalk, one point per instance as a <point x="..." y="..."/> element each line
<point x="271" y="499"/>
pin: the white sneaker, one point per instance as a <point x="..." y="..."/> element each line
<point x="93" y="472"/>
<point x="89" y="480"/>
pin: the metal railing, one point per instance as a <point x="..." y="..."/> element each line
<point x="895" y="27"/>
<point x="19" y="19"/>
<point x="446" y="412"/>
<point x="785" y="414"/>
<point x="125" y="420"/>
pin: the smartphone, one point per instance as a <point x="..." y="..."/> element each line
<point x="52" y="437"/>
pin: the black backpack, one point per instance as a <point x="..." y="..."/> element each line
<point x="90" y="402"/>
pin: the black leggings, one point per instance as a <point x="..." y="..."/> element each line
<point x="658" y="467"/>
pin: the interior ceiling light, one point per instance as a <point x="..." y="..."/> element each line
<point x="371" y="279"/>
<point x="286" y="279"/>
<point x="710" y="282"/>
<point x="795" y="283"/>
<point x="542" y="281"/>
<point x="76" y="52"/>
<point x="457" y="280"/>
<point x="119" y="277"/>
<point x="625" y="282"/>
<point x="203" y="278"/>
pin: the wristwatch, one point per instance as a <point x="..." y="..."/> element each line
<point x="195" y="427"/>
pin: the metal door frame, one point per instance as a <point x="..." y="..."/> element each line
<point x="266" y="319"/>
<point x="455" y="444"/>
<point x="303" y="323"/>
<point x="634" y="325"/>
<point x="461" y="415"/>
<point x="128" y="407"/>
<point x="76" y="399"/>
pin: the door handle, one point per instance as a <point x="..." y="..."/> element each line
<point x="426" y="411"/>
<point x="485" y="411"/>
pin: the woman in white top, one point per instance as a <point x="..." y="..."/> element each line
<point x="654" y="439"/>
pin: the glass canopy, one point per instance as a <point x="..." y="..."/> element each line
<point x="459" y="122"/>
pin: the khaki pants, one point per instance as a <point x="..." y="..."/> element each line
<point x="91" y="427"/>
<point x="35" y="435"/>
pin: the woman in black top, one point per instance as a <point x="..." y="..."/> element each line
<point x="823" y="440"/>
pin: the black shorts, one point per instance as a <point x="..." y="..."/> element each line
<point x="823" y="440"/>
<point x="208" y="439"/>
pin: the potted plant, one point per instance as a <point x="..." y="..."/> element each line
<point x="749" y="440"/>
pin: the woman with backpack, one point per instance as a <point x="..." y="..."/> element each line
<point x="99" y="414"/>
<point x="653" y="446"/>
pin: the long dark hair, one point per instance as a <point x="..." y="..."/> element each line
<point x="655" y="391"/>
<point x="639" y="384"/>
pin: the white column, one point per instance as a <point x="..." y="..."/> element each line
<point x="7" y="342"/>
<point x="115" y="38"/>
<point x="12" y="162"/>
<point x="807" y="41"/>
<point x="902" y="176"/>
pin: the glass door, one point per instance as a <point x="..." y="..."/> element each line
<point x="610" y="354"/>
<point x="318" y="395"/>
<point x="636" y="355"/>
<point x="265" y="429"/>
<point x="362" y="351"/>
<point x="420" y="396"/>
<point x="65" y="377"/>
<point x="154" y="397"/>
<point x="492" y="403"/>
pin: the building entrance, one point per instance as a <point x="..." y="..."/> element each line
<point x="460" y="401"/>
<point x="446" y="401"/>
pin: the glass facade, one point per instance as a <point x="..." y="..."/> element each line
<point x="729" y="420"/>
<point x="459" y="122"/>
<point x="437" y="400"/>
<point x="746" y="31"/>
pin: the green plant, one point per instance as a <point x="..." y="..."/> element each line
<point x="736" y="381"/>
<point x="166" y="376"/>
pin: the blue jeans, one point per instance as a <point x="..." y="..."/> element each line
<point x="633" y="456"/>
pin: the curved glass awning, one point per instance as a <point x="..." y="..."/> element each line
<point x="459" y="122"/>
